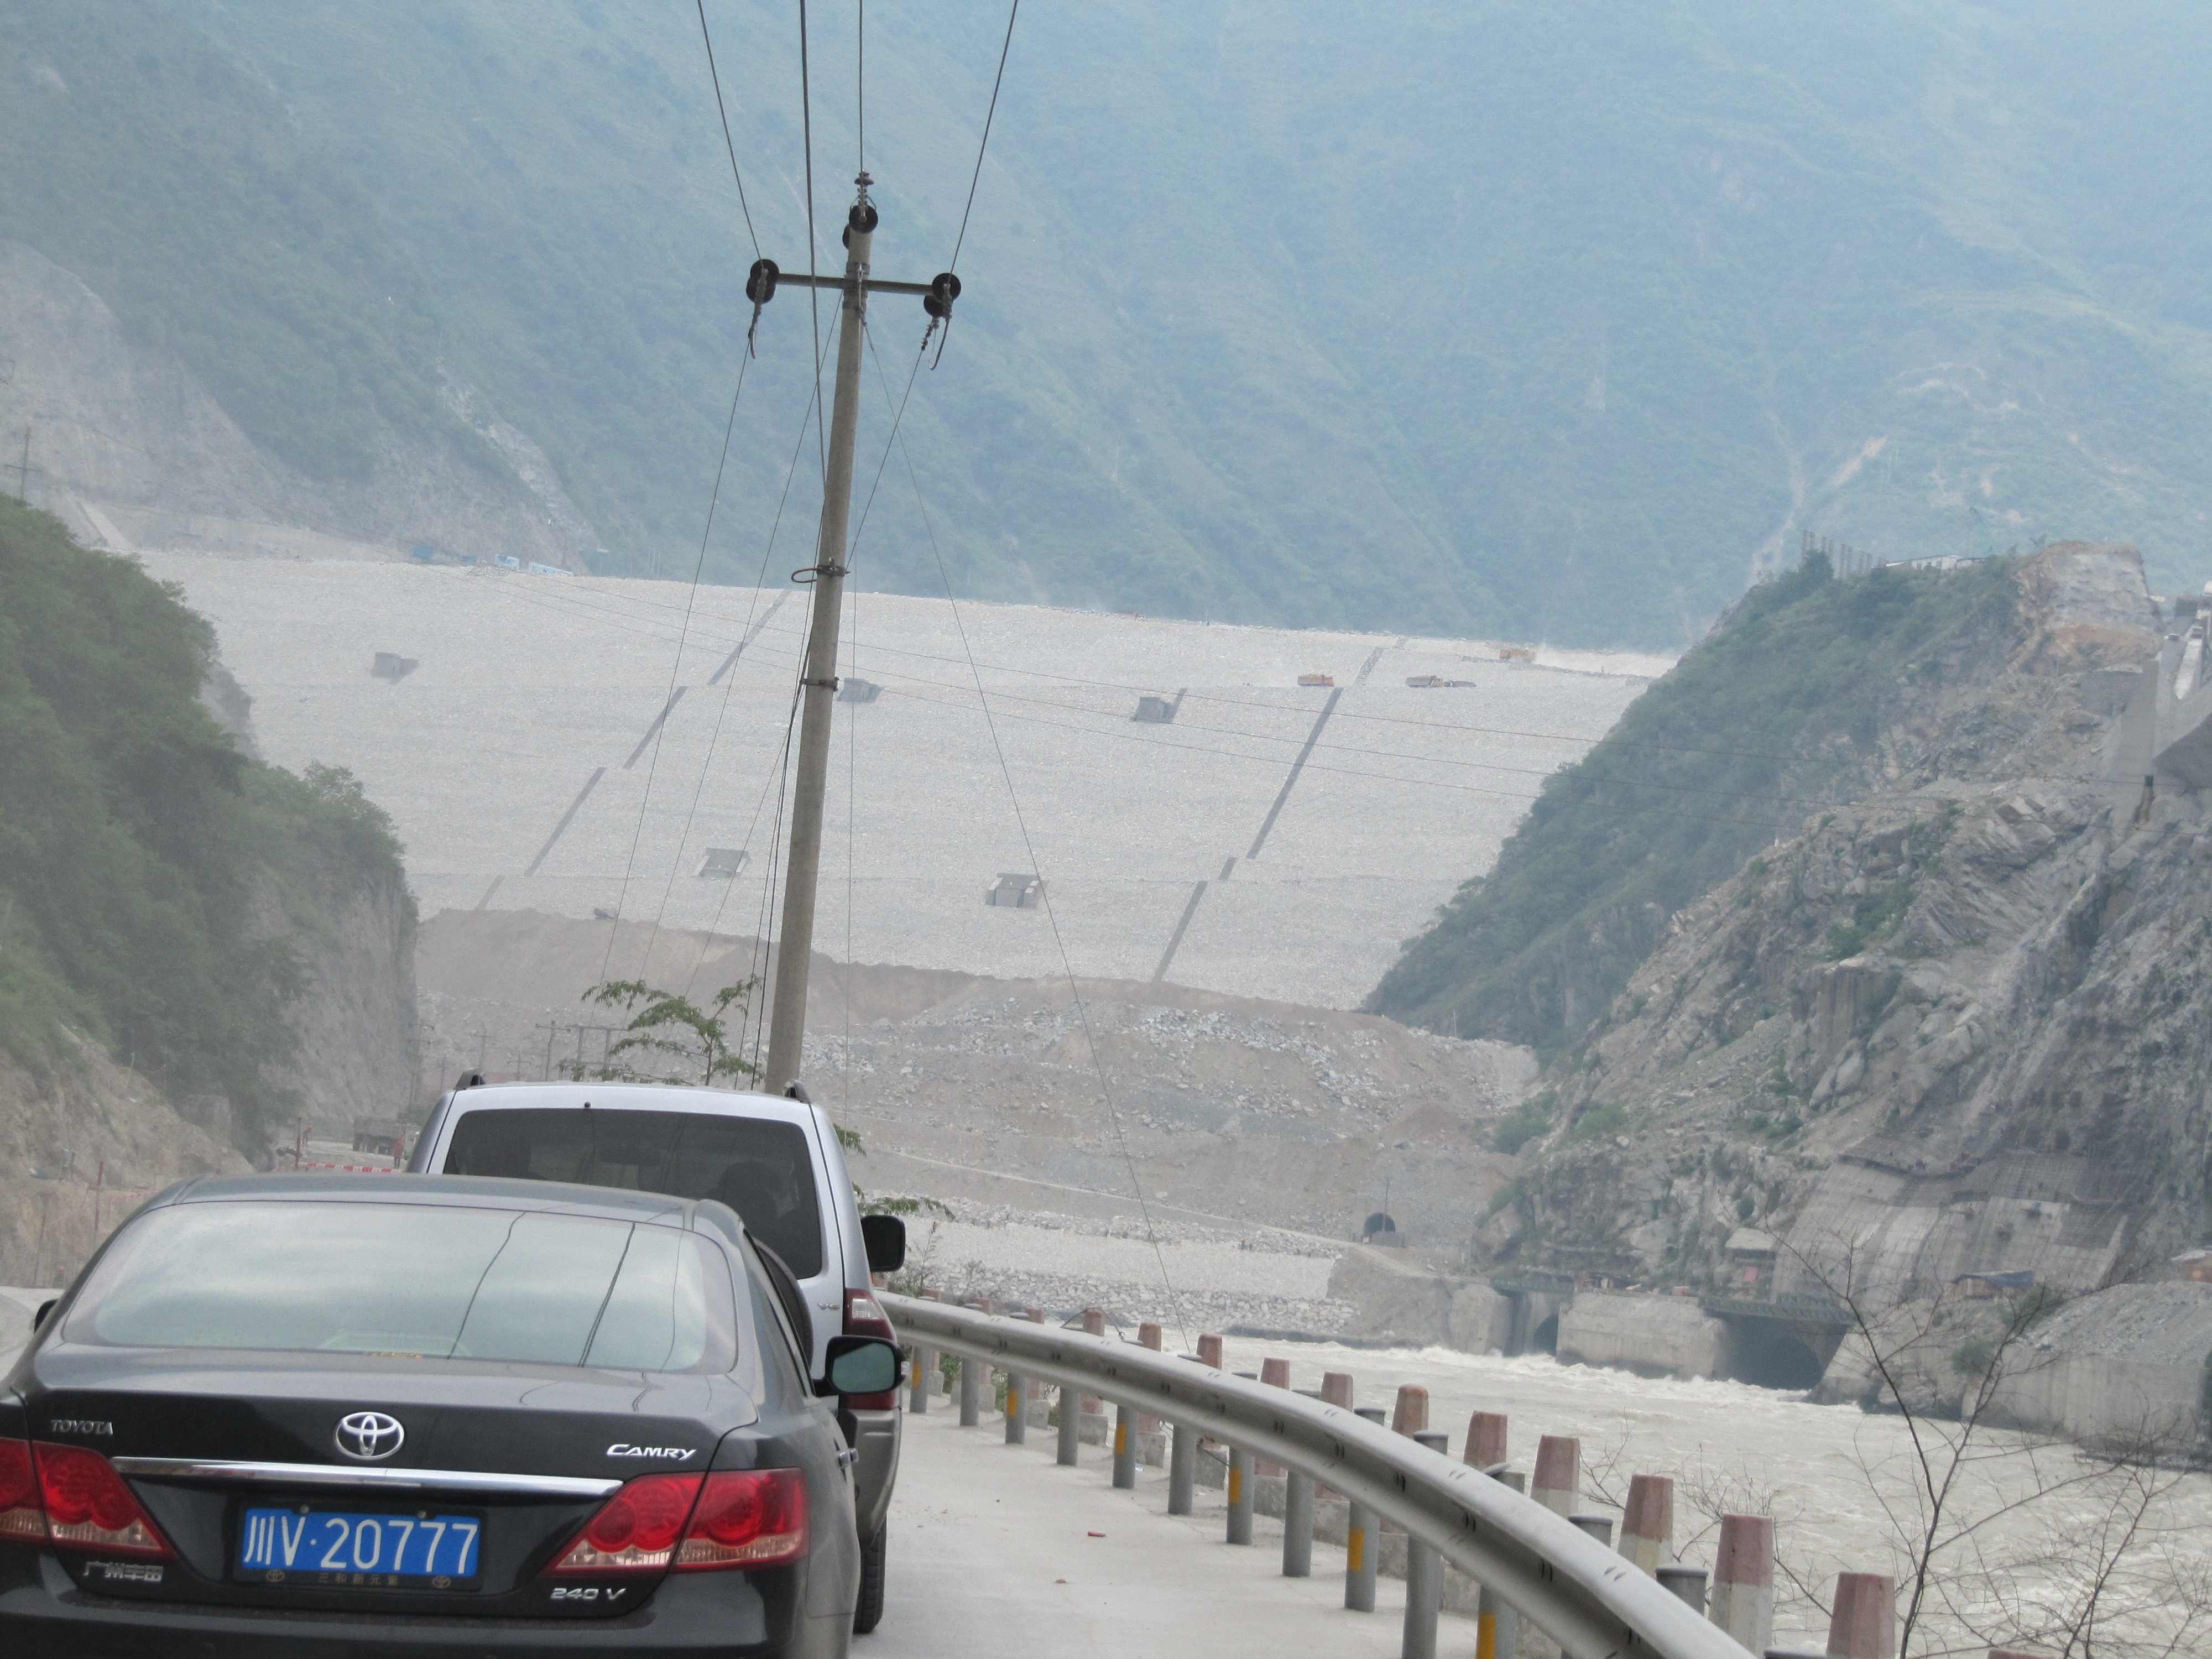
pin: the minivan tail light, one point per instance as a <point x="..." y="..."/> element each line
<point x="21" y="1520"/>
<point x="636" y="1530"/>
<point x="90" y="1507"/>
<point x="746" y="1518"/>
<point x="864" y="1317"/>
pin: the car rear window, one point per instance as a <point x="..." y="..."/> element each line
<point x="761" y="1169"/>
<point x="422" y="1280"/>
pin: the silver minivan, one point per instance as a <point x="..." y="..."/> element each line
<point x="777" y="1161"/>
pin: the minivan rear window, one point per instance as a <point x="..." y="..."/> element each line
<point x="423" y="1280"/>
<point x="761" y="1169"/>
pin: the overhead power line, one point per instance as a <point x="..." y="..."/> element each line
<point x="1014" y="11"/>
<point x="728" y="142"/>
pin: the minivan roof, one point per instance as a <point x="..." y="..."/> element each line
<point x="460" y="1192"/>
<point x="632" y="1098"/>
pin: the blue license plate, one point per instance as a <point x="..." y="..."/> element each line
<point x="311" y="1547"/>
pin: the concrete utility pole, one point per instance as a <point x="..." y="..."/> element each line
<point x="818" y="675"/>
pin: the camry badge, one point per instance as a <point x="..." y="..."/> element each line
<point x="367" y="1436"/>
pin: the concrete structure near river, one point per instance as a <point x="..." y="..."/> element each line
<point x="600" y="745"/>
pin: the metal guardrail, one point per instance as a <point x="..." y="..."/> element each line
<point x="1592" y="1601"/>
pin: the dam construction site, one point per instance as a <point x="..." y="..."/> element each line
<point x="898" y="824"/>
<point x="1903" y="1032"/>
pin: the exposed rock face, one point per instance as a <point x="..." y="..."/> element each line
<point x="355" y="1014"/>
<point x="1961" y="1024"/>
<point x="130" y="450"/>
<point x="80" y="1153"/>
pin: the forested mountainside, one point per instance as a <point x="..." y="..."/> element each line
<point x="1782" y="710"/>
<point x="229" y="930"/>
<point x="1953" y="1017"/>
<point x="1700" y="278"/>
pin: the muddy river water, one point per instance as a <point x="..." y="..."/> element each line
<point x="2030" y="1531"/>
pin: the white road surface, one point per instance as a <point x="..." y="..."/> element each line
<point x="996" y="1552"/>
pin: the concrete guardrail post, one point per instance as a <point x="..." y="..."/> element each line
<point x="1411" y="1414"/>
<point x="1125" y="1448"/>
<point x="1363" y="1544"/>
<point x="924" y="1369"/>
<point x="1647" y="1528"/>
<point x="1240" y="1495"/>
<point x="1018" y="1394"/>
<point x="1558" y="1482"/>
<point x="1743" y="1580"/>
<point x="1424" y="1572"/>
<point x="1688" y="1583"/>
<point x="1599" y="1526"/>
<point x="1863" y="1621"/>
<point x="1209" y="1350"/>
<point x="1183" y="1468"/>
<point x="972" y="1374"/>
<point x="1497" y="1622"/>
<point x="1486" y="1440"/>
<point x="1071" y="1426"/>
<point x="1297" y="1526"/>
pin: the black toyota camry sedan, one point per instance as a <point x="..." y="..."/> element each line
<point x="427" y="1415"/>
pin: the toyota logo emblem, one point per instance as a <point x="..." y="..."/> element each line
<point x="369" y="1436"/>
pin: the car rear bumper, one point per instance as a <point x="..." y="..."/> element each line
<point x="702" y="1614"/>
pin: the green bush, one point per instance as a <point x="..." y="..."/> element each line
<point x="1524" y="1122"/>
<point x="1600" y="1117"/>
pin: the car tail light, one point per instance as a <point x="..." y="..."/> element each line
<point x="22" y="1519"/>
<point x="89" y="1507"/>
<point x="636" y="1530"/>
<point x="864" y="1317"/>
<point x="746" y="1518"/>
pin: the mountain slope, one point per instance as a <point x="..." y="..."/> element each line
<point x="1954" y="1023"/>
<point x="193" y="911"/>
<point x="1779" y="712"/>
<point x="1471" y="318"/>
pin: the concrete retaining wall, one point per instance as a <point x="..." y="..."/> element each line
<point x="2098" y="1399"/>
<point x="1399" y="1295"/>
<point x="2127" y="1366"/>
<point x="1651" y="1335"/>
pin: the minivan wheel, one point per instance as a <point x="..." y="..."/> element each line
<point x="870" y="1611"/>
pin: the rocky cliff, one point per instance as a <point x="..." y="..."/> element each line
<point x="1957" y="1021"/>
<point x="351" y="930"/>
<point x="79" y="1149"/>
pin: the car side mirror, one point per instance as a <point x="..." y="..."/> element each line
<point x="885" y="1236"/>
<point x="861" y="1365"/>
<point x="39" y="1319"/>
